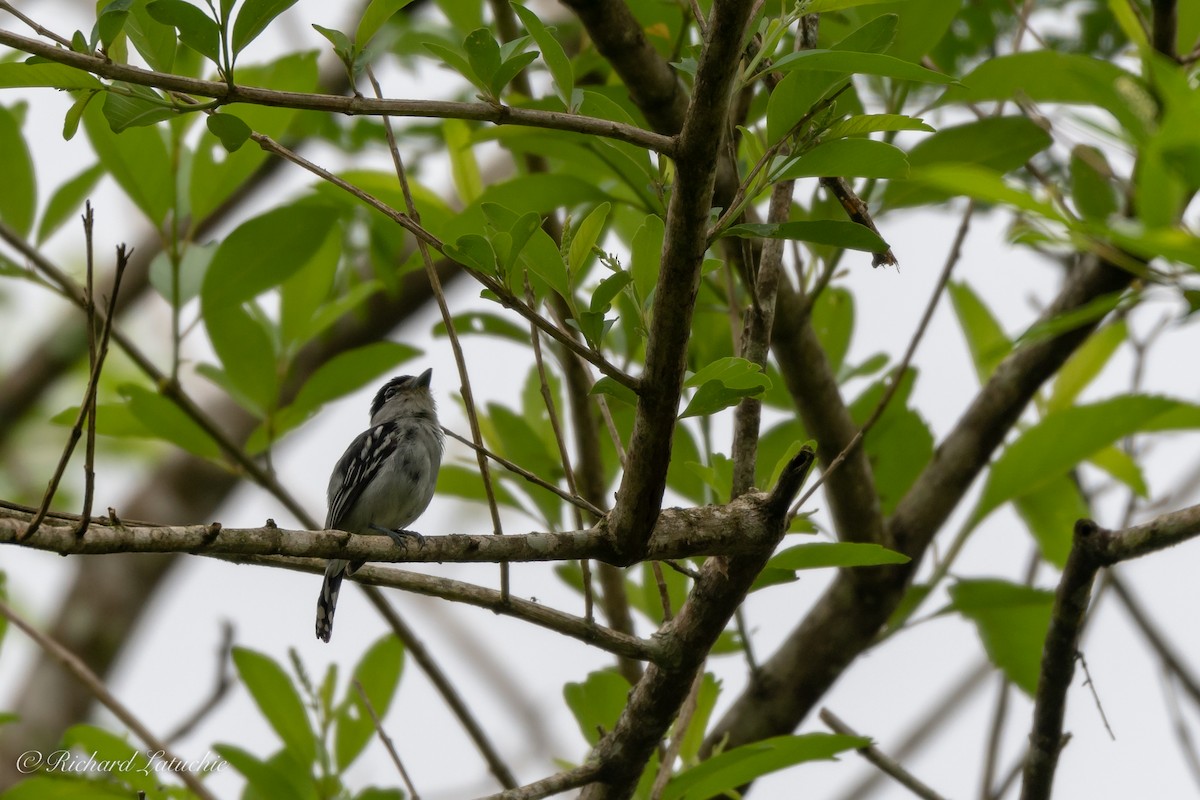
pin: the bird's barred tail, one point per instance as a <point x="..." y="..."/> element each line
<point x="327" y="602"/>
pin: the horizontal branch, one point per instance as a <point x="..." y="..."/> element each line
<point x="615" y="642"/>
<point x="740" y="527"/>
<point x="495" y="113"/>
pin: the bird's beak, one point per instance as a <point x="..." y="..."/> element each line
<point x="424" y="378"/>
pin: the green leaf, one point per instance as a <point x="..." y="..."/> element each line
<point x="456" y="61"/>
<point x="379" y="674"/>
<point x="873" y="123"/>
<point x="111" y="20"/>
<point x="1048" y="76"/>
<point x="192" y="269"/>
<point x="725" y="772"/>
<point x="819" y="555"/>
<point x="597" y="702"/>
<point x="278" y="701"/>
<point x="265" y="251"/>
<point x="378" y="12"/>
<point x="166" y="421"/>
<point x="155" y="41"/>
<point x="647" y="255"/>
<point x="138" y="161"/>
<point x="982" y="184"/>
<point x="833" y="322"/>
<point x="858" y="64"/>
<point x="985" y="338"/>
<point x="232" y="132"/>
<point x="339" y="376"/>
<point x="56" y="76"/>
<point x="1012" y="621"/>
<point x="1092" y="189"/>
<point x="465" y="482"/>
<point x="608" y="290"/>
<point x="585" y="238"/>
<point x="56" y="786"/>
<point x="846" y="158"/>
<point x="142" y="107"/>
<point x="342" y="46"/>
<point x="18" y="199"/>
<point x="818" y="6"/>
<point x="264" y="777"/>
<point x="552" y="53"/>
<point x="463" y="166"/>
<point x="246" y="347"/>
<point x="1085" y="364"/>
<point x="1050" y="514"/>
<point x="723" y="384"/>
<point x="135" y="770"/>
<point x="1091" y="311"/>
<point x="75" y="114"/>
<point x="836" y="233"/>
<point x="485" y="324"/>
<point x="1062" y="439"/>
<point x="253" y="18"/>
<point x="509" y="70"/>
<point x="608" y="386"/>
<point x="196" y="29"/>
<point x="1121" y="466"/>
<point x="483" y="54"/>
<point x="215" y="173"/>
<point x="305" y="295"/>
<point x="998" y="143"/>
<point x="900" y="444"/>
<point x="66" y="200"/>
<point x="473" y="251"/>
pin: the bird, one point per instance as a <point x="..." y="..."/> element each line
<point x="385" y="479"/>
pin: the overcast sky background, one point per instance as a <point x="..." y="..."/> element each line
<point x="510" y="672"/>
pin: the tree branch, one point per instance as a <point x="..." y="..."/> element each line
<point x="847" y="617"/>
<point x="355" y="105"/>
<point x="615" y="642"/>
<point x="657" y="698"/>
<point x="1093" y="548"/>
<point x="743" y="526"/>
<point x="639" y="497"/>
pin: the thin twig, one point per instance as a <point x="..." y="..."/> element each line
<point x="664" y="596"/>
<point x="574" y="500"/>
<point x="1182" y="734"/>
<point x="171" y="391"/>
<point x="86" y="408"/>
<point x="89" y="451"/>
<point x="416" y="648"/>
<point x="995" y="735"/>
<point x="508" y="299"/>
<point x="355" y="105"/>
<point x="555" y="784"/>
<point x="885" y="764"/>
<point x="952" y="259"/>
<point x="158" y="749"/>
<point x="387" y="741"/>
<point x="224" y="683"/>
<point x="686" y="712"/>
<point x="1167" y="653"/>
<point x="464" y="376"/>
<point x="1088" y="682"/>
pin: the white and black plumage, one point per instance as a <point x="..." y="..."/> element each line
<point x="386" y="477"/>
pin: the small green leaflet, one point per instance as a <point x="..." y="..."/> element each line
<point x="722" y="384"/>
<point x="836" y="233"/>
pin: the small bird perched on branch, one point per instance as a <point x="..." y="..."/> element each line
<point x="386" y="477"/>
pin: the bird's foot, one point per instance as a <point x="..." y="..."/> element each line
<point x="402" y="537"/>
